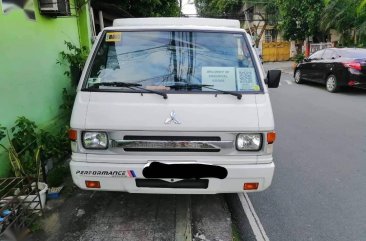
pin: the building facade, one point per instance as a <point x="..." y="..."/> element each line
<point x="31" y="39"/>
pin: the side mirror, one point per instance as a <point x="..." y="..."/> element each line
<point x="307" y="60"/>
<point x="273" y="78"/>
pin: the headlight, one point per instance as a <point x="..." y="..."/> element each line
<point x="248" y="142"/>
<point x="95" y="140"/>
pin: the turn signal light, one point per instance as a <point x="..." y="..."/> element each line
<point x="73" y="135"/>
<point x="271" y="137"/>
<point x="251" y="186"/>
<point x="92" y="184"/>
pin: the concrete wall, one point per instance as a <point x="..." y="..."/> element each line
<point x="31" y="81"/>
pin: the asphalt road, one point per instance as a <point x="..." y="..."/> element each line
<point x="319" y="188"/>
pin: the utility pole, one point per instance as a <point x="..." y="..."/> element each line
<point x="180" y="8"/>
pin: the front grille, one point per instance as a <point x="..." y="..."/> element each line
<point x="132" y="143"/>
<point x="173" y="138"/>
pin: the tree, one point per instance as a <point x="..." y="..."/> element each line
<point x="347" y="17"/>
<point x="141" y="8"/>
<point x="265" y="14"/>
<point x="219" y="8"/>
<point x="236" y="9"/>
<point x="299" y="19"/>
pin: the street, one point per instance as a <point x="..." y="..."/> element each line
<point x="127" y="120"/>
<point x="318" y="192"/>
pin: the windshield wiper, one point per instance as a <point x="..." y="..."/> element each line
<point x="194" y="86"/>
<point x="132" y="86"/>
<point x="113" y="84"/>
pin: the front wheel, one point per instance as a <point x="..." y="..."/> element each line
<point x="332" y="84"/>
<point x="298" y="79"/>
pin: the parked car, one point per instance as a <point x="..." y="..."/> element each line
<point x="173" y="105"/>
<point x="334" y="67"/>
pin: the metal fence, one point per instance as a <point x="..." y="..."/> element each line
<point x="319" y="46"/>
<point x="20" y="205"/>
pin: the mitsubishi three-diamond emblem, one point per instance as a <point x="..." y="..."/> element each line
<point x="172" y="119"/>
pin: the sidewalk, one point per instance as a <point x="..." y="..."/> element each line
<point x="112" y="216"/>
<point x="285" y="67"/>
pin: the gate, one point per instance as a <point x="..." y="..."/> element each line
<point x="319" y="46"/>
<point x="276" y="51"/>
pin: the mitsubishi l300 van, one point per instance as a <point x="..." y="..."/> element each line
<point x="173" y="105"/>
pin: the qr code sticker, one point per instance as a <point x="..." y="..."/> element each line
<point x="246" y="77"/>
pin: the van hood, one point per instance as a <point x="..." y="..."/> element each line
<point x="150" y="112"/>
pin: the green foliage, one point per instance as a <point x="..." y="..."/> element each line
<point x="24" y="141"/>
<point x="55" y="146"/>
<point x="2" y="132"/>
<point x="348" y="17"/>
<point x="75" y="59"/>
<point x="56" y="176"/>
<point x="68" y="98"/>
<point x="28" y="145"/>
<point x="218" y="8"/>
<point x="236" y="233"/>
<point x="142" y="8"/>
<point x="74" y="56"/>
<point x="299" y="18"/>
<point x="299" y="58"/>
<point x="12" y="154"/>
<point x="34" y="224"/>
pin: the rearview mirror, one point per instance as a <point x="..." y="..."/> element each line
<point x="273" y="78"/>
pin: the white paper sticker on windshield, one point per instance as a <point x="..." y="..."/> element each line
<point x="246" y="79"/>
<point x="222" y="78"/>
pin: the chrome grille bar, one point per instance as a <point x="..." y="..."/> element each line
<point x="157" y="145"/>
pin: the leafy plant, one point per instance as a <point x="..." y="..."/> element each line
<point x="299" y="58"/>
<point x="24" y="141"/>
<point x="12" y="153"/>
<point x="75" y="58"/>
<point x="68" y="98"/>
<point x="23" y="151"/>
<point x="56" y="176"/>
<point x="27" y="145"/>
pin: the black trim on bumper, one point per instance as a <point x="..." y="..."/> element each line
<point x="184" y="171"/>
<point x="157" y="183"/>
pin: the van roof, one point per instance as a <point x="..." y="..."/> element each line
<point x="209" y="22"/>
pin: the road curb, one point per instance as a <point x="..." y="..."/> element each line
<point x="245" y="218"/>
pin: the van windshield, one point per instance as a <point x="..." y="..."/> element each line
<point x="174" y="61"/>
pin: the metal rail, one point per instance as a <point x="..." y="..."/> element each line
<point x="20" y="204"/>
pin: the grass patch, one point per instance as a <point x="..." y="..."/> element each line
<point x="236" y="234"/>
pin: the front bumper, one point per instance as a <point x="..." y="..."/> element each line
<point x="122" y="177"/>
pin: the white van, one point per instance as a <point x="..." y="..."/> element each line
<point x="173" y="105"/>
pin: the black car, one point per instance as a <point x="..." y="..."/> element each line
<point x="334" y="67"/>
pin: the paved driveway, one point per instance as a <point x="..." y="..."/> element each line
<point x="112" y="216"/>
